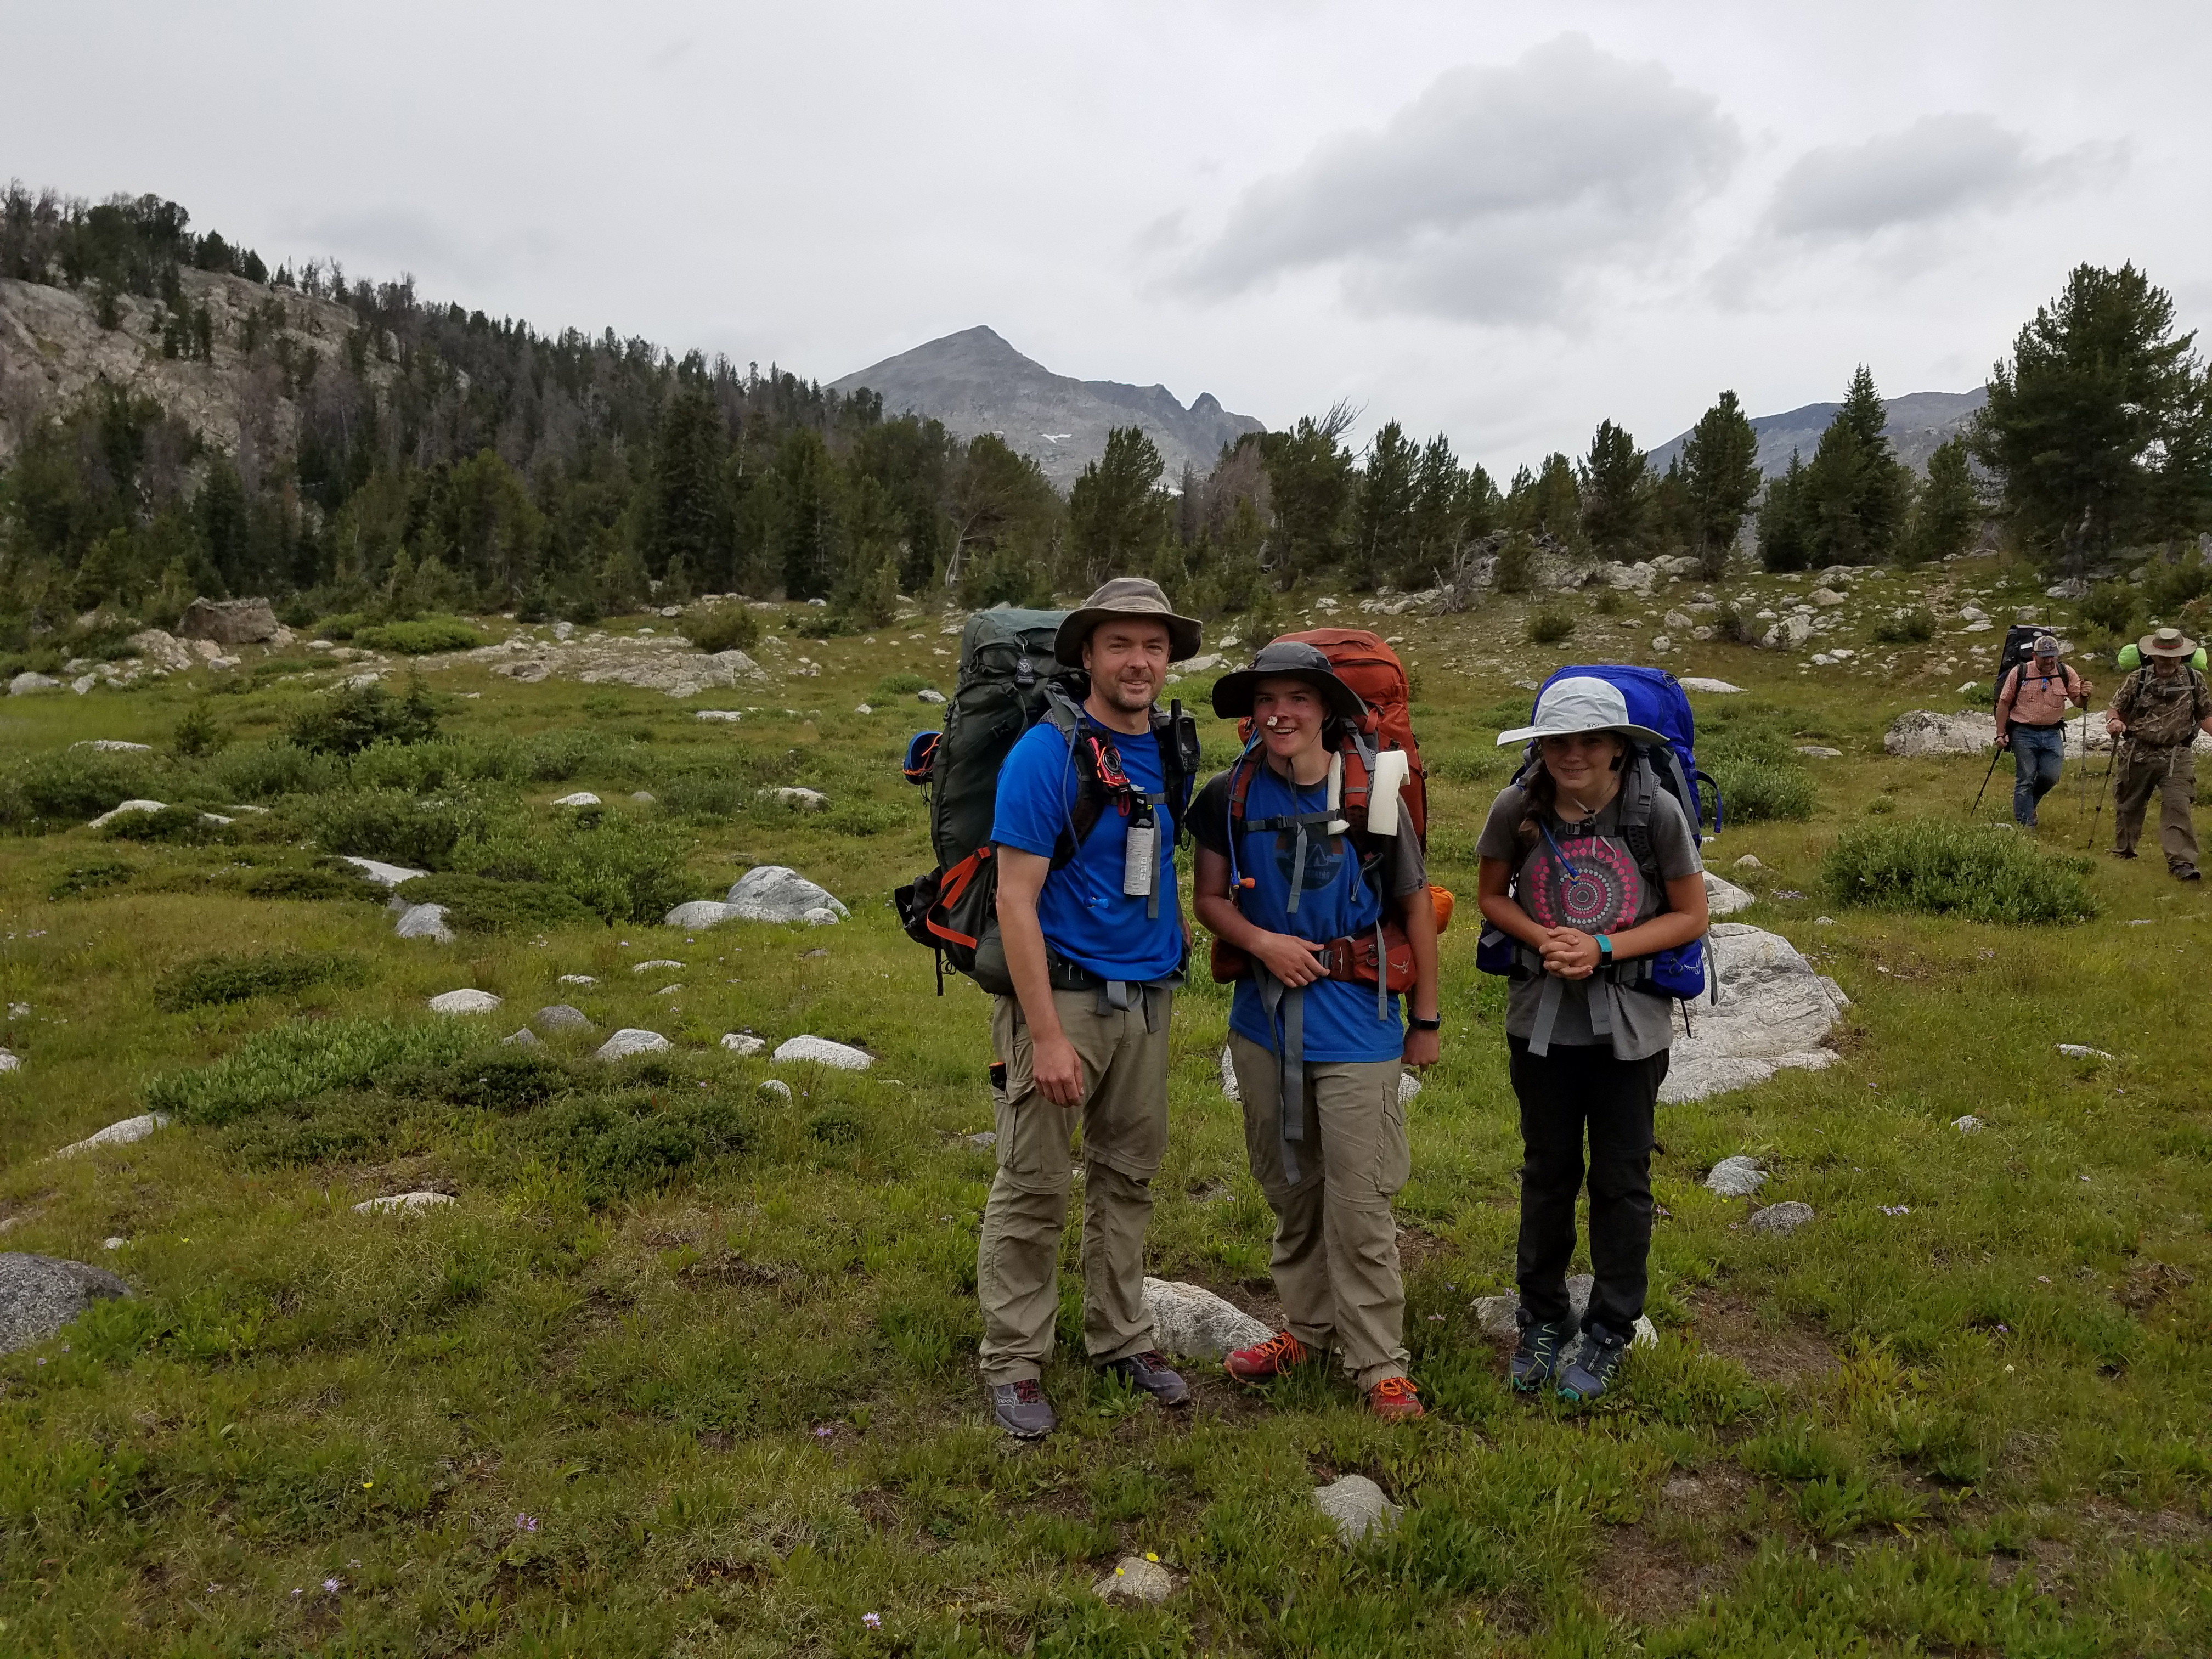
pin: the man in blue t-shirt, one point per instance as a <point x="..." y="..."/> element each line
<point x="1317" y="1058"/>
<point x="1094" y="940"/>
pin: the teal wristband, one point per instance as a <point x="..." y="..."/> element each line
<point x="1604" y="950"/>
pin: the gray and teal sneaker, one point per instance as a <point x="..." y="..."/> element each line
<point x="1536" y="1357"/>
<point x="1021" y="1409"/>
<point x="1591" y="1371"/>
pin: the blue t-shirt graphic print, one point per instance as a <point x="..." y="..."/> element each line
<point x="1084" y="915"/>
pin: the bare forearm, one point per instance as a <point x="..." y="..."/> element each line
<point x="1663" y="932"/>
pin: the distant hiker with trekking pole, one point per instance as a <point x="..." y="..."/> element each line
<point x="1089" y="804"/>
<point x="1311" y="876"/>
<point x="2032" y="703"/>
<point x="1592" y="885"/>
<point x="2154" y="720"/>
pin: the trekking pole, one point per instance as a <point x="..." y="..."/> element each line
<point x="2099" y="814"/>
<point x="1976" y="809"/>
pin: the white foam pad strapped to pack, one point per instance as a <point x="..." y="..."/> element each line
<point x="1391" y="770"/>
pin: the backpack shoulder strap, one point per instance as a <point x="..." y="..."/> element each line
<point x="1639" y="784"/>
<point x="1090" y="754"/>
<point x="1176" y="734"/>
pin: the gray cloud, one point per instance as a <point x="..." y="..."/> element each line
<point x="1493" y="195"/>
<point x="1937" y="168"/>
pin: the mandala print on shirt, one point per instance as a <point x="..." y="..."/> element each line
<point x="1604" y="891"/>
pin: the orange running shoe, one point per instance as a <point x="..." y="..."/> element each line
<point x="1395" y="1397"/>
<point x="1263" y="1361"/>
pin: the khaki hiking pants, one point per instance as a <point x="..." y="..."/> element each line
<point x="1336" y="1243"/>
<point x="1124" y="1120"/>
<point x="2170" y="775"/>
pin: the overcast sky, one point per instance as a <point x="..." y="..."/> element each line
<point x="1501" y="222"/>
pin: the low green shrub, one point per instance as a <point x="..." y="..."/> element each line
<point x="1913" y="625"/>
<point x="2111" y="606"/>
<point x="706" y="796"/>
<point x="391" y="824"/>
<point x="633" y="1141"/>
<point x="343" y="626"/>
<point x="836" y="1126"/>
<point x="182" y="825"/>
<point x="495" y="1080"/>
<point x="341" y="1125"/>
<point x="303" y="1059"/>
<point x="476" y="904"/>
<point x="622" y="867"/>
<point x="899" y="685"/>
<point x="349" y="718"/>
<point x="206" y="982"/>
<point x="273" y="766"/>
<point x="420" y="639"/>
<point x="197" y="733"/>
<point x="720" y="627"/>
<point x="1550" y="625"/>
<point x="1756" y="792"/>
<point x="297" y="884"/>
<point x="65" y="786"/>
<point x="100" y="876"/>
<point x="1980" y="873"/>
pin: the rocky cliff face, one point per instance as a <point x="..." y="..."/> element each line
<point x="52" y="349"/>
<point x="975" y="382"/>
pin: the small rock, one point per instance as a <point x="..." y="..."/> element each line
<point x="26" y="684"/>
<point x="775" y="892"/>
<point x="578" y="979"/>
<point x="467" y="1001"/>
<point x="731" y="716"/>
<point x="929" y="694"/>
<point x="113" y="746"/>
<point x="657" y="962"/>
<point x="1735" y="1177"/>
<point x="1817" y="752"/>
<point x="130" y="1130"/>
<point x="425" y="921"/>
<point x="774" y="1089"/>
<point x="820" y="1051"/>
<point x="631" y="1040"/>
<point x="820" y="916"/>
<point x="39" y="1294"/>
<point x="667" y="990"/>
<point x="983" y="1140"/>
<point x="1500" y="1316"/>
<point x="9" y="1062"/>
<point x="1229" y="1086"/>
<point x="800" y="800"/>
<point x="2079" y="1051"/>
<point x="405" y="1203"/>
<point x="1749" y="861"/>
<point x="582" y="798"/>
<point x="560" y="1017"/>
<point x="117" y="1242"/>
<point x="525" y="1038"/>
<point x="1968" y="1125"/>
<point x="647" y="796"/>
<point x="384" y="875"/>
<point x="117" y="810"/>
<point x="863" y="709"/>
<point x="1824" y="922"/>
<point x="1408" y="1086"/>
<point x="1205" y="664"/>
<point x="1358" y="1506"/>
<point x="695" y="915"/>
<point x="1711" y="687"/>
<point x="1786" y="1217"/>
<point x="1136" y="1582"/>
<point x="1191" y="1320"/>
<point x="743" y="1042"/>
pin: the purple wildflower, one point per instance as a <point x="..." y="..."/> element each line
<point x="332" y="1585"/>
<point x="525" y="1524"/>
<point x="873" y="1620"/>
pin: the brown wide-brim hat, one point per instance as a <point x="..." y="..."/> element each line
<point x="2167" y="642"/>
<point x="1125" y="596"/>
<point x="1286" y="659"/>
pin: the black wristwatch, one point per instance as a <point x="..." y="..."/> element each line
<point x="1416" y="1023"/>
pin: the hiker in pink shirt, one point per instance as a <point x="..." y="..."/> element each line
<point x="2031" y="704"/>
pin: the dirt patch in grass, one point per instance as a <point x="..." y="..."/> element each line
<point x="1735" y="1331"/>
<point x="1654" y="1570"/>
<point x="2149" y="1283"/>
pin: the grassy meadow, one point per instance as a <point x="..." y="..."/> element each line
<point x="689" y="1367"/>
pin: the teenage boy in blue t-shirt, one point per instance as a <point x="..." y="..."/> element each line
<point x="1316" y="1060"/>
<point x="1094" y="948"/>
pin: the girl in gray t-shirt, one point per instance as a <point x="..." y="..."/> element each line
<point x="1586" y="1053"/>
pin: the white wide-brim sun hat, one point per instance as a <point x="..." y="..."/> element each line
<point x="1580" y="703"/>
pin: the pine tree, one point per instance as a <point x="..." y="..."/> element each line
<point x="1949" y="509"/>
<point x="1855" y="491"/>
<point x="1616" y="492"/>
<point x="1445" y="499"/>
<point x="1115" y="519"/>
<point x="1311" y="481"/>
<point x="1719" y="481"/>
<point x="1784" y="538"/>
<point x="1549" y="502"/>
<point x="1383" y="543"/>
<point x="685" y="515"/>
<point x="2099" y="430"/>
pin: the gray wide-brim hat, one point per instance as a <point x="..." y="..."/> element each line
<point x="1581" y="703"/>
<point x="1286" y="659"/>
<point x="2167" y="642"/>
<point x="1124" y="596"/>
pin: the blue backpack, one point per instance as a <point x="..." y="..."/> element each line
<point x="1655" y="699"/>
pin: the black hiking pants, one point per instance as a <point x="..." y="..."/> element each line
<point x="1571" y="1090"/>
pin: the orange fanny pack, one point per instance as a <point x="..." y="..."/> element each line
<point x="1349" y="958"/>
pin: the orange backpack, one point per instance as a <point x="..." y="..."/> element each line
<point x="1359" y="657"/>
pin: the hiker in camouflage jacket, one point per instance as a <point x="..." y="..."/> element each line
<point x="2156" y="714"/>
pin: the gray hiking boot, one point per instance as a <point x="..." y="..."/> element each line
<point x="1536" y="1356"/>
<point x="1151" y="1371"/>
<point x="1022" y="1409"/>
<point x="1597" y="1362"/>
